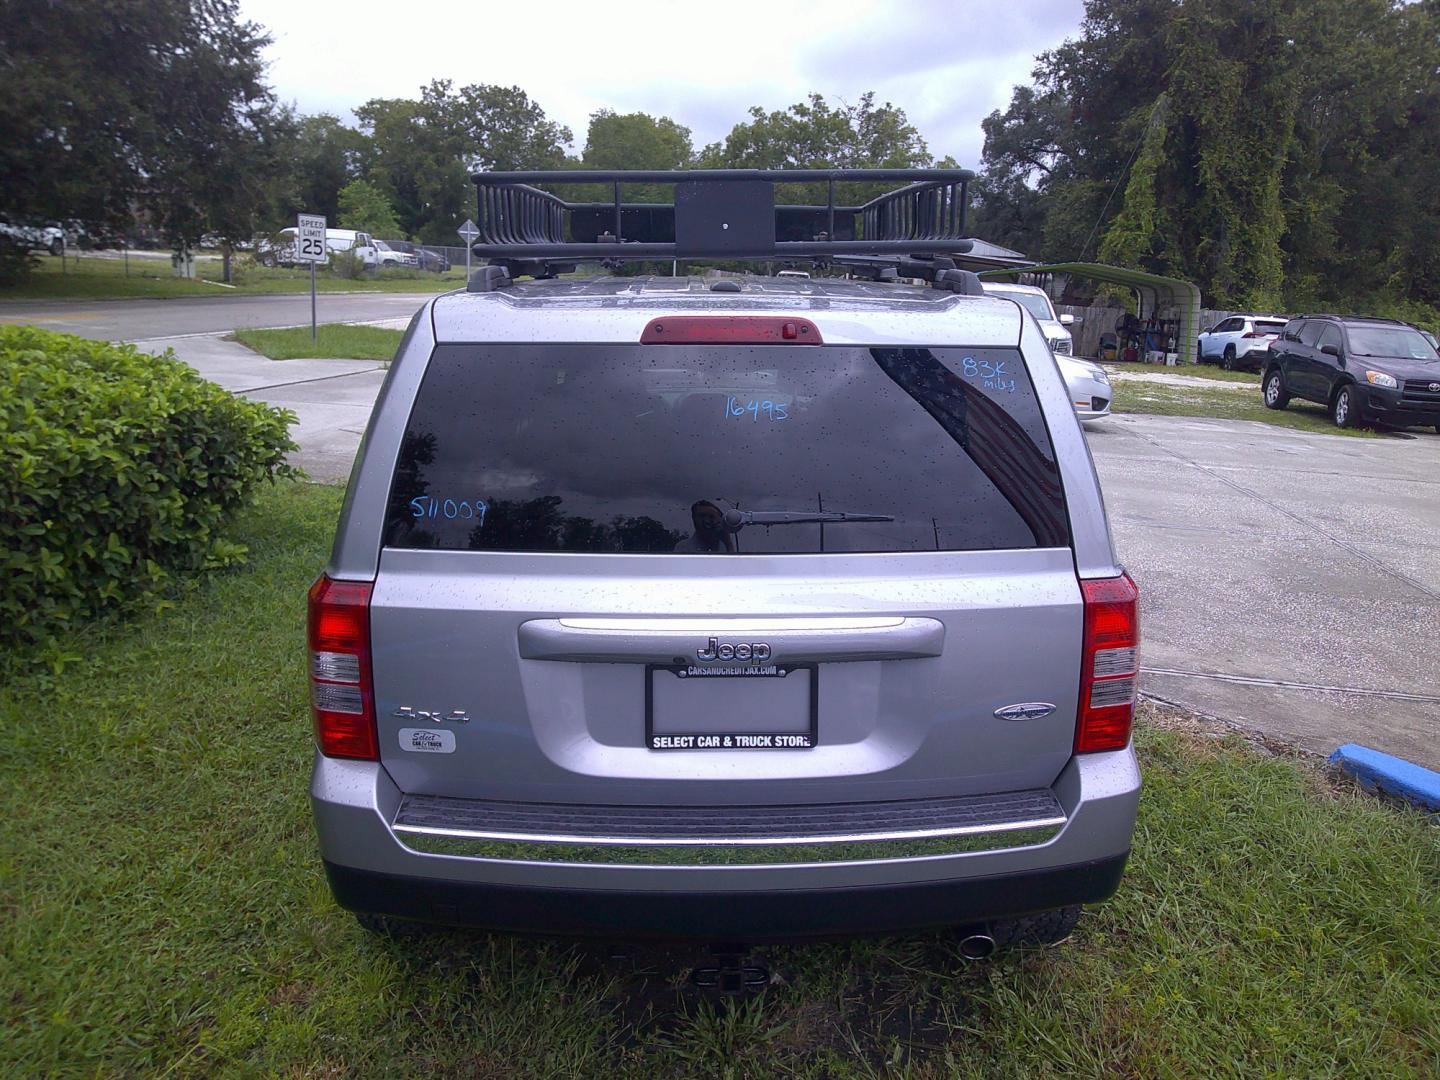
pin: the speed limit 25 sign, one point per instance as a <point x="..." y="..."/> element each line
<point x="310" y="238"/>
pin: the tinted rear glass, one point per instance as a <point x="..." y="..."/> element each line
<point x="643" y="448"/>
<point x="1269" y="327"/>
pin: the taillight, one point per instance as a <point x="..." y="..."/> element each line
<point x="730" y="330"/>
<point x="341" y="697"/>
<point x="1110" y="662"/>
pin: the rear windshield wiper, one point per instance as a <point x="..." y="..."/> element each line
<point x="737" y="519"/>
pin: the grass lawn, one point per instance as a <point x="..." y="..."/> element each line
<point x="1195" y="371"/>
<point x="101" y="277"/>
<point x="1223" y="403"/>
<point x="335" y="340"/>
<point x="165" y="911"/>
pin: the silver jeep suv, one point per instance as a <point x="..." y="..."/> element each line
<point x="731" y="611"/>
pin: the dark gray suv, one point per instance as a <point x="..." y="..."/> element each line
<point x="733" y="611"/>
<point x="1366" y="371"/>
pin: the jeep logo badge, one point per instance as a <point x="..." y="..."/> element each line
<point x="755" y="650"/>
<point x="1030" y="710"/>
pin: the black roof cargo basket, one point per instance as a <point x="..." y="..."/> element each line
<point x="719" y="214"/>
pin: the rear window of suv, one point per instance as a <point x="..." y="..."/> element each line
<point x="725" y="450"/>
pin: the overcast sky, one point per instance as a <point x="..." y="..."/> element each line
<point x="947" y="64"/>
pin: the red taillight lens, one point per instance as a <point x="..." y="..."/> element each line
<point x="341" y="697"/>
<point x="730" y="330"/>
<point x="1110" y="664"/>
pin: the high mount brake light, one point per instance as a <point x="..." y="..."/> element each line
<point x="730" y="330"/>
<point x="1109" y="664"/>
<point x="342" y="698"/>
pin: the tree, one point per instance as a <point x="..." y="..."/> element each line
<point x="155" y="104"/>
<point x="812" y="134"/>
<point x="1277" y="153"/>
<point x="324" y="156"/>
<point x="632" y="141"/>
<point x="363" y="206"/>
<point x="423" y="152"/>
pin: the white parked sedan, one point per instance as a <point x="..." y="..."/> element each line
<point x="1089" y="387"/>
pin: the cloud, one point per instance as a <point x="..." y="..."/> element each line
<point x="947" y="64"/>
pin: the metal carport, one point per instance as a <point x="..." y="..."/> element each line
<point x="1155" y="294"/>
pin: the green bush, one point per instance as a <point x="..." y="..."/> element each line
<point x="347" y="265"/>
<point x="117" y="470"/>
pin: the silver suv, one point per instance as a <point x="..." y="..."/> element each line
<point x="731" y="611"/>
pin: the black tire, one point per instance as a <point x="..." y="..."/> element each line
<point x="1229" y="362"/>
<point x="1273" y="390"/>
<point x="57" y="247"/>
<point x="1199" y="353"/>
<point x="1342" y="407"/>
<point x="1044" y="928"/>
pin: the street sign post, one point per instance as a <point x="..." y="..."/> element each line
<point x="310" y="247"/>
<point x="468" y="232"/>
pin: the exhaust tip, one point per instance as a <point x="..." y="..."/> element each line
<point x="977" y="947"/>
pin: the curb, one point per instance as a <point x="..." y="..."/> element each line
<point x="1392" y="775"/>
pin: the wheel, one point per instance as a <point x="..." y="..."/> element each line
<point x="57" y="247"/>
<point x="1229" y="363"/>
<point x="1342" y="408"/>
<point x="1199" y="353"/>
<point x="1044" y="928"/>
<point x="1276" y="396"/>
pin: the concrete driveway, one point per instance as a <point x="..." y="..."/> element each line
<point x="1291" y="581"/>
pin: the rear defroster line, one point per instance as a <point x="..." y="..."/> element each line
<point x="1284" y="684"/>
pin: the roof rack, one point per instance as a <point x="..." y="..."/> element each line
<point x="716" y="213"/>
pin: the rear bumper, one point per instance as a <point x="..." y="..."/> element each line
<point x="373" y="868"/>
<point x="722" y="916"/>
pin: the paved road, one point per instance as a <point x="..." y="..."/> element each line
<point x="1291" y="580"/>
<point x="133" y="320"/>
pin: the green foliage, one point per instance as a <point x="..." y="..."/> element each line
<point x="1294" y="167"/>
<point x="813" y="134"/>
<point x="346" y="265"/>
<point x="420" y="152"/>
<point x="364" y="206"/>
<point x="117" y="469"/>
<point x="631" y="141"/>
<point x="16" y="262"/>
<point x="159" y="104"/>
<point x="323" y="157"/>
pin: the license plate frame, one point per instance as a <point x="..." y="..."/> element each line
<point x="669" y="742"/>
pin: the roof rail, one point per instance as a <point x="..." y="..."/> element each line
<point x="716" y="213"/>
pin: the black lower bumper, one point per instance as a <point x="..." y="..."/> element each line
<point x="1391" y="407"/>
<point x="723" y="916"/>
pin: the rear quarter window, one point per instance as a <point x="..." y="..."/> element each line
<point x="725" y="450"/>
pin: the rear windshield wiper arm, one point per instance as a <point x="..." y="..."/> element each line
<point x="737" y="519"/>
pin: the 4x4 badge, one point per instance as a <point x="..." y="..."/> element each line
<point x="1030" y="710"/>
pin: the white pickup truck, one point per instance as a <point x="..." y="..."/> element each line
<point x="281" y="250"/>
